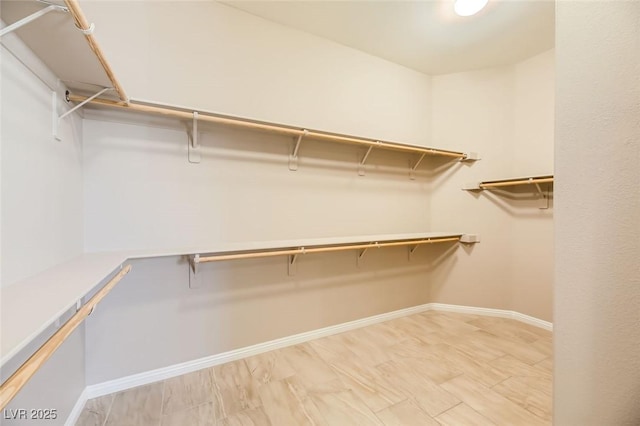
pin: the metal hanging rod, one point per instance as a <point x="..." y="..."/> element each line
<point x="321" y="249"/>
<point x="19" y="379"/>
<point x="270" y="127"/>
<point x="87" y="29"/>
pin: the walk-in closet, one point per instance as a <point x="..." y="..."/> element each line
<point x="289" y="213"/>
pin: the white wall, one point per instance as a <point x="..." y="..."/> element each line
<point x="506" y="114"/>
<point x="475" y="109"/>
<point x="532" y="263"/>
<point x="56" y="386"/>
<point x="533" y="115"/>
<point x="597" y="293"/>
<point x="155" y="320"/>
<point x="41" y="218"/>
<point x="142" y="193"/>
<point x="41" y="178"/>
<point x="208" y="55"/>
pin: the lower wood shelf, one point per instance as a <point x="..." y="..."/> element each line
<point x="29" y="307"/>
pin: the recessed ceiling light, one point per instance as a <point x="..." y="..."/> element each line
<point x="469" y="7"/>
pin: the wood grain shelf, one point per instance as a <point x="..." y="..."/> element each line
<point x="49" y="295"/>
<point x="300" y="134"/>
<point x="504" y="183"/>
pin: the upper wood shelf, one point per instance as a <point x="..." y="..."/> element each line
<point x="297" y="132"/>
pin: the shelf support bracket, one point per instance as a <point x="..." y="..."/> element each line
<point x="542" y="195"/>
<point x="470" y="156"/>
<point x="537" y="185"/>
<point x="194" y="277"/>
<point x="195" y="154"/>
<point x="364" y="160"/>
<point x="291" y="263"/>
<point x="57" y="118"/>
<point x="412" y="172"/>
<point x="360" y="256"/>
<point x="24" y="21"/>
<point x="293" y="157"/>
<point x="412" y="250"/>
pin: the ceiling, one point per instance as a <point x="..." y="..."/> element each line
<point x="423" y="35"/>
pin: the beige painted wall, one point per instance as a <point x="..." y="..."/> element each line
<point x="41" y="178"/>
<point x="155" y="320"/>
<point x="41" y="219"/>
<point x="141" y="192"/>
<point x="531" y="255"/>
<point x="203" y="54"/>
<point x="506" y="114"/>
<point x="474" y="109"/>
<point x="597" y="293"/>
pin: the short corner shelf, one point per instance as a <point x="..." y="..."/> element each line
<point x="509" y="184"/>
<point x="504" y="183"/>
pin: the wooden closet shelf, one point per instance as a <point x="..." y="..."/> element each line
<point x="489" y="184"/>
<point x="184" y="114"/>
<point x="322" y="248"/>
<point x="54" y="292"/>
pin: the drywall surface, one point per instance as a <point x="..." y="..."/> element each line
<point x="534" y="115"/>
<point x="41" y="178"/>
<point x="54" y="389"/>
<point x="155" y="320"/>
<point x="41" y="219"/>
<point x="141" y="191"/>
<point x="597" y="292"/>
<point x="505" y="114"/>
<point x="474" y="109"/>
<point x="211" y="56"/>
<point x="531" y="254"/>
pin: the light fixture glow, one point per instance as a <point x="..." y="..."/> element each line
<point x="469" y="7"/>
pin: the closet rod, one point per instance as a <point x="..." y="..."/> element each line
<point x="302" y="250"/>
<point x="527" y="181"/>
<point x="87" y="29"/>
<point x="19" y="379"/>
<point x="188" y="115"/>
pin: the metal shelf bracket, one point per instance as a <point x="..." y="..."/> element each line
<point x="364" y="160"/>
<point x="194" y="277"/>
<point x="291" y="263"/>
<point x="293" y="157"/>
<point x="57" y="118"/>
<point x="412" y="172"/>
<point x="360" y="256"/>
<point x="195" y="154"/>
<point x="24" y="21"/>
<point x="412" y="250"/>
<point x="470" y="156"/>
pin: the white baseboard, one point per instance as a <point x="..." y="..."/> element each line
<point x="461" y="309"/>
<point x="147" y="377"/>
<point x="77" y="408"/>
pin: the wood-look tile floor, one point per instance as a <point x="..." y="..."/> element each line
<point x="433" y="368"/>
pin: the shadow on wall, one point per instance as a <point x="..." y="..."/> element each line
<point x="266" y="277"/>
<point x="521" y="202"/>
<point x="234" y="281"/>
